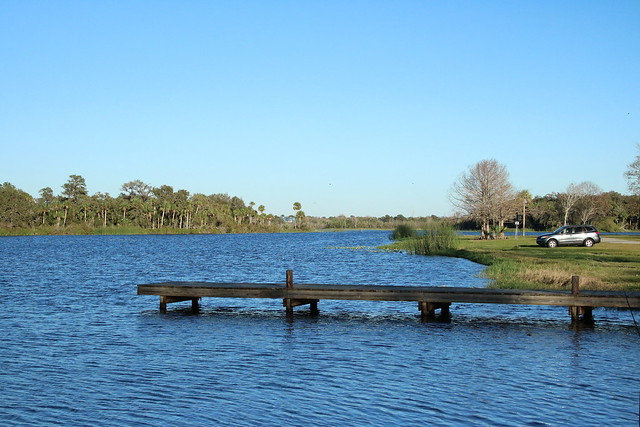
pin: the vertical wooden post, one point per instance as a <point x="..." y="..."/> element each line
<point x="289" y="278"/>
<point x="577" y="311"/>
<point x="163" y="304"/>
<point x="313" y="307"/>
<point x="287" y="301"/>
<point x="427" y="309"/>
<point x="575" y="285"/>
<point x="445" y="310"/>
<point x="574" y="310"/>
<point x="195" y="307"/>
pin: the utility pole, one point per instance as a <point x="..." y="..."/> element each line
<point x="524" y="215"/>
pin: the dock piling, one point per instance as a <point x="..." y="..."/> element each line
<point x="164" y="300"/>
<point x="577" y="311"/>
<point x="289" y="303"/>
<point x="428" y="309"/>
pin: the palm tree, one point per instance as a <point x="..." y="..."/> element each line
<point x="46" y="201"/>
<point x="297" y="206"/>
<point x="251" y="212"/>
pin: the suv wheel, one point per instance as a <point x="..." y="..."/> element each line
<point x="552" y="243"/>
<point x="588" y="243"/>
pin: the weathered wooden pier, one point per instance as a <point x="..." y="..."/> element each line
<point x="429" y="298"/>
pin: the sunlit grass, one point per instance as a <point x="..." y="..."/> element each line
<point x="524" y="264"/>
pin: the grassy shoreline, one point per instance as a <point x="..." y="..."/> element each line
<point x="522" y="264"/>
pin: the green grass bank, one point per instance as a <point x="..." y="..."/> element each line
<point x="522" y="264"/>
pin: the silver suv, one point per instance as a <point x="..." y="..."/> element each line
<point x="580" y="235"/>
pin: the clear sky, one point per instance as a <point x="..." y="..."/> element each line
<point x="359" y="107"/>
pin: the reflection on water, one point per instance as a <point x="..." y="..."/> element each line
<point x="79" y="347"/>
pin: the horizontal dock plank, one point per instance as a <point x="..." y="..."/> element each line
<point x="220" y="290"/>
<point x="393" y="293"/>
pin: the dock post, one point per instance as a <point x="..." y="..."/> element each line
<point x="428" y="310"/>
<point x="577" y="311"/>
<point x="445" y="311"/>
<point x="575" y="285"/>
<point x="168" y="299"/>
<point x="574" y="310"/>
<point x="289" y="278"/>
<point x="313" y="307"/>
<point x="287" y="301"/>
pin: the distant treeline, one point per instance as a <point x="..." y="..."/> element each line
<point x="142" y="208"/>
<point x="139" y="208"/>
<point x="146" y="209"/>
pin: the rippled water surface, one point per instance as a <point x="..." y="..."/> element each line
<point x="79" y="347"/>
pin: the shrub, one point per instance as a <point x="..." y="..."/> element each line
<point x="607" y="225"/>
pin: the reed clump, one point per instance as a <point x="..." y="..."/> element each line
<point x="438" y="238"/>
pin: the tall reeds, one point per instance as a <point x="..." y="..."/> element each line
<point x="437" y="238"/>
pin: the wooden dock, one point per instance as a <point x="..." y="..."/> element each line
<point x="429" y="299"/>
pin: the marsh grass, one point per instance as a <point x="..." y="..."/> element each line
<point x="437" y="238"/>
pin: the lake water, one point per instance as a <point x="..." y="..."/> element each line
<point x="79" y="347"/>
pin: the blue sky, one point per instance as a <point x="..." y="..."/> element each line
<point x="349" y="107"/>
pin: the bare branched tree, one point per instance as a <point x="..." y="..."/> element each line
<point x="588" y="206"/>
<point x="568" y="199"/>
<point x="485" y="194"/>
<point x="633" y="175"/>
<point x="574" y="194"/>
